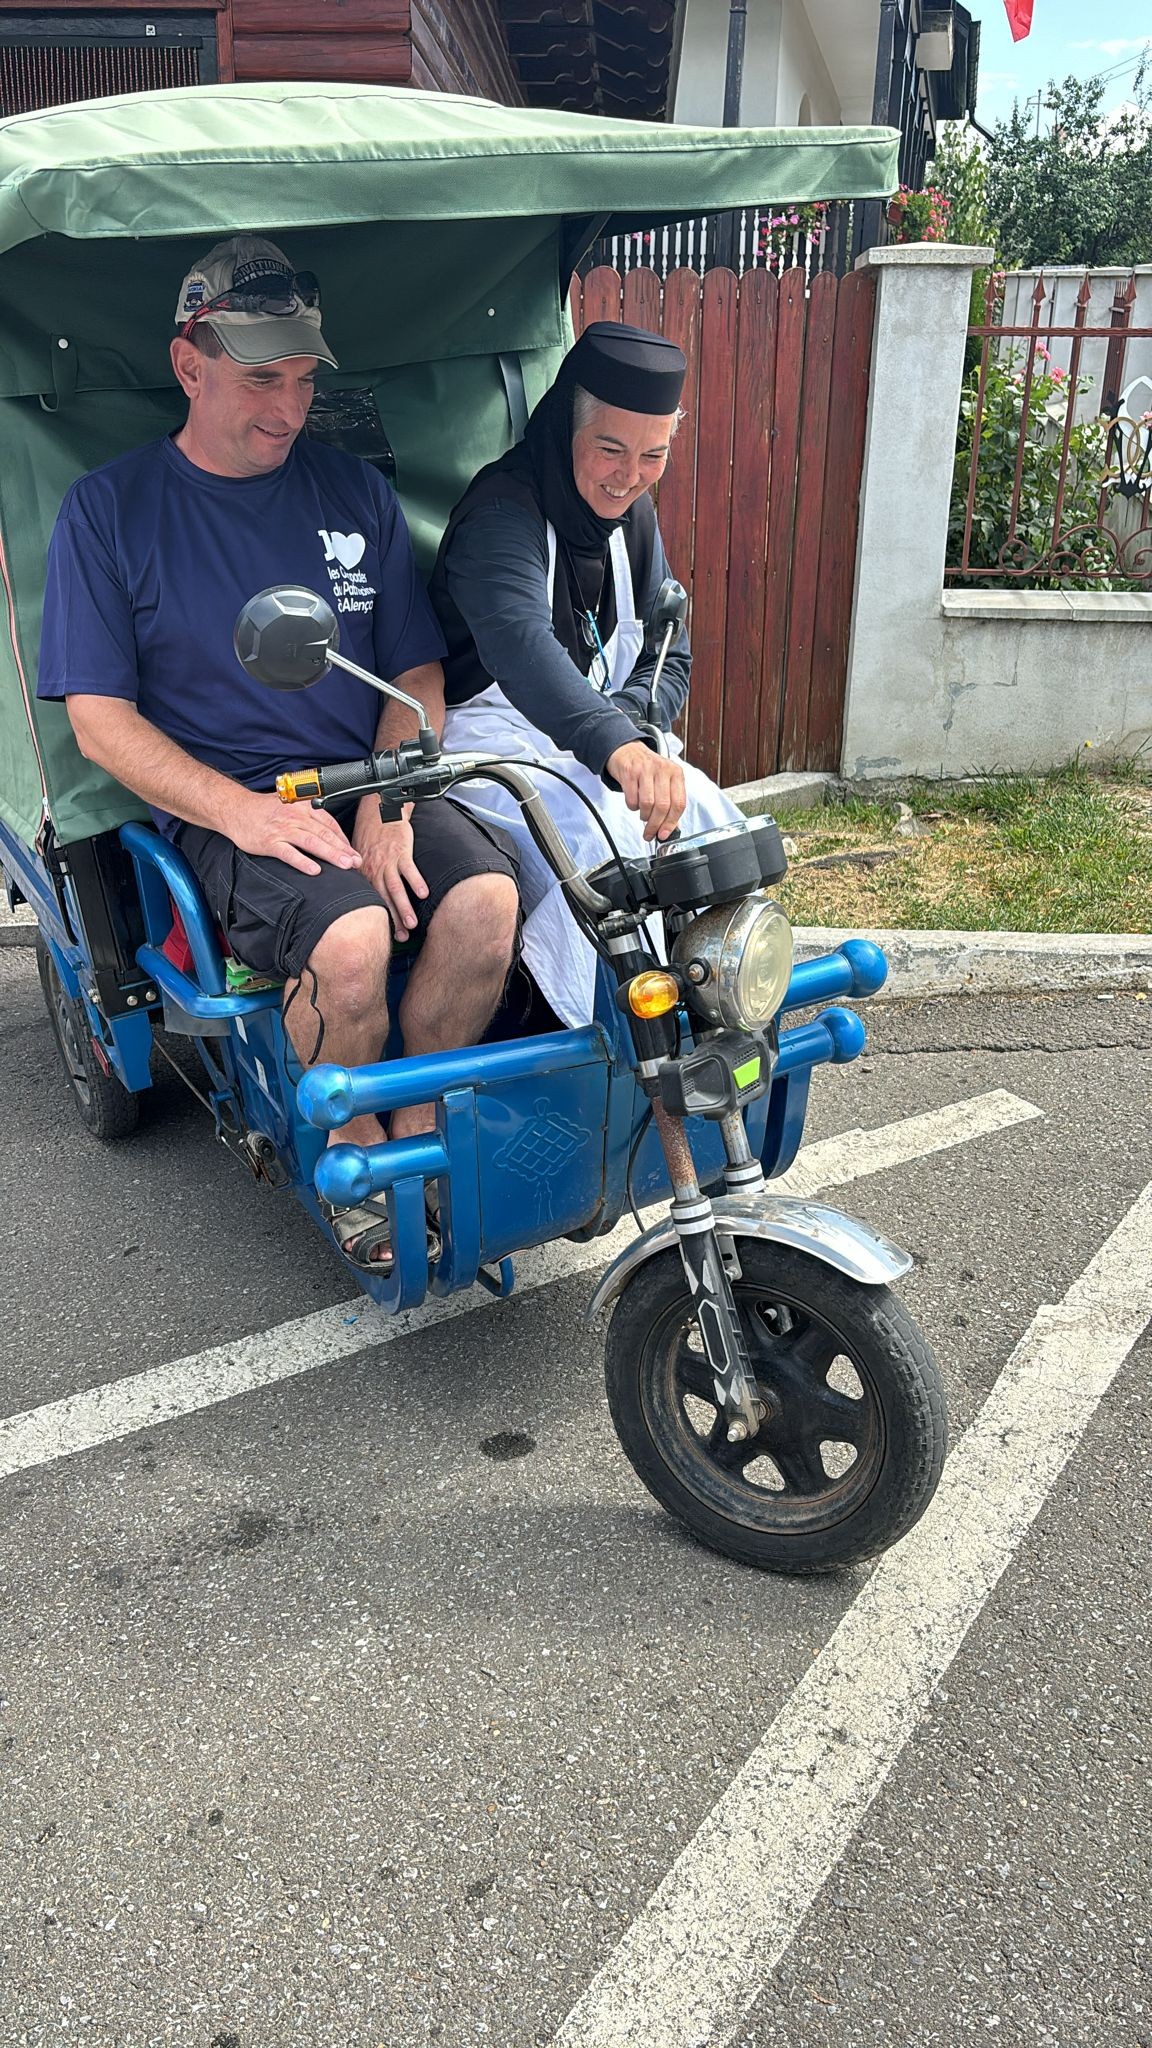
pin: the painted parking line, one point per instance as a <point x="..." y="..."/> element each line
<point x="696" y="1958"/>
<point x="61" y="1429"/>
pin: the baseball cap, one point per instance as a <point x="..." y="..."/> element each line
<point x="266" y="310"/>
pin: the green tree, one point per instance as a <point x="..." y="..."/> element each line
<point x="1082" y="192"/>
<point x="960" y="171"/>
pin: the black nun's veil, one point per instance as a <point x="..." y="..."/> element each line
<point x="623" y="366"/>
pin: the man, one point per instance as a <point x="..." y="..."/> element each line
<point x="151" y="560"/>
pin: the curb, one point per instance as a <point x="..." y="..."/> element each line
<point x="997" y="963"/>
<point x="805" y="791"/>
<point x="17" y="927"/>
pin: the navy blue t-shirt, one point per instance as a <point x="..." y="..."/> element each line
<point x="152" y="559"/>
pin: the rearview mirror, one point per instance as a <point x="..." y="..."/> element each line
<point x="669" y="609"/>
<point x="286" y="637"/>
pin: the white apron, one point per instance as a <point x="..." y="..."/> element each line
<point x="555" y="950"/>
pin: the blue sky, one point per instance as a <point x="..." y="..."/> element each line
<point x="1077" y="36"/>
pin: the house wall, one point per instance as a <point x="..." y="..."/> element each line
<point x="801" y="70"/>
<point x="784" y="64"/>
<point x="964" y="682"/>
<point x="458" y="46"/>
<point x="361" y="42"/>
<point x="442" y="45"/>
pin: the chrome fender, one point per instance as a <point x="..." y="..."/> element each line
<point x="826" y="1234"/>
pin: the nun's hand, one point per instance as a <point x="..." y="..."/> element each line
<point x="651" y="784"/>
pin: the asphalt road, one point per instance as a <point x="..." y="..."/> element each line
<point x="320" y="1725"/>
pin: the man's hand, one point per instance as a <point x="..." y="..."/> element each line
<point x="293" y="833"/>
<point x="386" y="852"/>
<point x="652" y="784"/>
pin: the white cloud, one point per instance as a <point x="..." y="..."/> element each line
<point x="1117" y="46"/>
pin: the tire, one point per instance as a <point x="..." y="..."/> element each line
<point x="823" y="1484"/>
<point x="107" y="1109"/>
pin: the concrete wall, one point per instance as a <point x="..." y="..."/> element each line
<point x="972" y="681"/>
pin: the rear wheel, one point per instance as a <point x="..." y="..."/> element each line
<point x="852" y="1444"/>
<point x="107" y="1108"/>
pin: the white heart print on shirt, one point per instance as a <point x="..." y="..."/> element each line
<point x="345" y="548"/>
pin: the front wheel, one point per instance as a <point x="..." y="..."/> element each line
<point x="108" y="1109"/>
<point x="852" y="1445"/>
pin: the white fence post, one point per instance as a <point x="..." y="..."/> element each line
<point x="894" y="683"/>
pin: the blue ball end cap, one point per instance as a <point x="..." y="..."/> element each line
<point x="846" y="1032"/>
<point x="325" y="1097"/>
<point x="869" y="967"/>
<point x="343" y="1176"/>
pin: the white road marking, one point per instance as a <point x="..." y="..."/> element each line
<point x="695" y="1959"/>
<point x="144" y="1400"/>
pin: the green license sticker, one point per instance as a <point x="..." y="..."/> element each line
<point x="749" y="1072"/>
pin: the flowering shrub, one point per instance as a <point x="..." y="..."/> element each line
<point x="919" y="216"/>
<point x="784" y="236"/>
<point x="1082" y="552"/>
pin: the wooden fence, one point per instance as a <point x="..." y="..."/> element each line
<point x="760" y="502"/>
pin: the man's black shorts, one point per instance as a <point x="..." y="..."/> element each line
<point x="273" y="916"/>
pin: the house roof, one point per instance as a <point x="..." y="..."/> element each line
<point x="593" y="56"/>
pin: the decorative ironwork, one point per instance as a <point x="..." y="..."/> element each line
<point x="1078" y="511"/>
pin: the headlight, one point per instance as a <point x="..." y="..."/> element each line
<point x="737" y="960"/>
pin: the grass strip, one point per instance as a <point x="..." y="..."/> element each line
<point x="1070" y="852"/>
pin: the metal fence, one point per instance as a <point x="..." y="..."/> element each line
<point x="1053" y="483"/>
<point x="814" y="237"/>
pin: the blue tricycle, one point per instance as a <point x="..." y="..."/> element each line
<point x="764" y="1381"/>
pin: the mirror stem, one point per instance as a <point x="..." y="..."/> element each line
<point x="654" y="685"/>
<point x="386" y="690"/>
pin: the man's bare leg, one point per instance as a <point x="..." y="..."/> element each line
<point x="458" y="978"/>
<point x="350" y="964"/>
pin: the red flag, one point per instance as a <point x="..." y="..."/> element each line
<point x="1019" y="18"/>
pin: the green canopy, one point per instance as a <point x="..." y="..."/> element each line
<point x="442" y="229"/>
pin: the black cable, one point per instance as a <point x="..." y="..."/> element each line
<point x="630" y="1198"/>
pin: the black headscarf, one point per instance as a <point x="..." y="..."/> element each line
<point x="622" y="366"/>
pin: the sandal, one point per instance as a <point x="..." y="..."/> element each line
<point x="360" y="1233"/>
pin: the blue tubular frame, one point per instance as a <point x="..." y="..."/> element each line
<point x="164" y="877"/>
<point x="533" y="1136"/>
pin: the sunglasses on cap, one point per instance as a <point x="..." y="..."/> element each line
<point x="262" y="296"/>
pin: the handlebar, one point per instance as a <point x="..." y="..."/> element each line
<point x="407" y="773"/>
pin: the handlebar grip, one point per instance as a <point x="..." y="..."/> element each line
<point x="298" y="788"/>
<point x="307" y="784"/>
<point x="346" y="776"/>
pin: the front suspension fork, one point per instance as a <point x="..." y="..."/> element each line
<point x="710" y="1268"/>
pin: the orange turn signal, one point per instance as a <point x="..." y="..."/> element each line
<point x="295" y="789"/>
<point x="653" y="994"/>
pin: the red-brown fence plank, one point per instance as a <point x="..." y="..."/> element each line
<point x="713" y="507"/>
<point x="576" y="302"/>
<point x="642" y="299"/>
<point x="790" y="322"/>
<point x="843" y="470"/>
<point x="747" y="548"/>
<point x="601" y="294"/>
<point x="676" y="497"/>
<point x="814" y="406"/>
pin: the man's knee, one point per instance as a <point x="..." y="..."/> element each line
<point x="482" y="915"/>
<point x="350" y="962"/>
